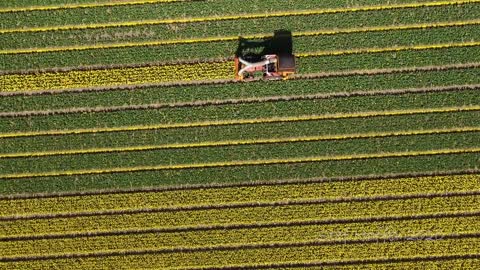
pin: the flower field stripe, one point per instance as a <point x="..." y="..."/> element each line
<point x="38" y="197"/>
<point x="243" y="121"/>
<point x="233" y="38"/>
<point x="458" y="261"/>
<point x="168" y="73"/>
<point x="228" y="195"/>
<point x="360" y="72"/>
<point x="177" y="62"/>
<point x="466" y="261"/>
<point x="185" y="161"/>
<point x="253" y="256"/>
<point x="240" y="17"/>
<point x="245" y="226"/>
<point x="242" y="163"/>
<point x="455" y="261"/>
<point x="236" y="175"/>
<point x="384" y="28"/>
<point x="118" y="76"/>
<point x="22" y="64"/>
<point x="330" y="233"/>
<point x="249" y="215"/>
<point x="123" y="87"/>
<point x="242" y="142"/>
<point x="225" y="247"/>
<point x="258" y="131"/>
<point x="220" y="29"/>
<point x="160" y="202"/>
<point x="246" y="100"/>
<point x="87" y="5"/>
<point x="391" y="49"/>
<point x="243" y="205"/>
<point x="347" y="73"/>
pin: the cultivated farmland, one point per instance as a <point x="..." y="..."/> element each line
<point x="126" y="142"/>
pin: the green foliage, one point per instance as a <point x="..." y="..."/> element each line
<point x="151" y="95"/>
<point x="163" y="10"/>
<point x="263" y="26"/>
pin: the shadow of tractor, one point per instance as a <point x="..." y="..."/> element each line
<point x="252" y="50"/>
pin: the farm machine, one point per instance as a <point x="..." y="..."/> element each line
<point x="269" y="67"/>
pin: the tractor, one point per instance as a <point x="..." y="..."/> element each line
<point x="270" y="67"/>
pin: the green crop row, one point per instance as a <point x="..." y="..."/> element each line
<point x="158" y="11"/>
<point x="264" y="255"/>
<point x="381" y="124"/>
<point x="137" y="55"/>
<point x="350" y="105"/>
<point x="431" y="15"/>
<point x="155" y="54"/>
<point x="383" y="230"/>
<point x="388" y="60"/>
<point x="149" y="95"/>
<point x="243" y="153"/>
<point x="30" y="3"/>
<point x="235" y="195"/>
<point x="243" y="174"/>
<point x="245" y="215"/>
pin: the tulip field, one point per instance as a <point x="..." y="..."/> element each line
<point x="127" y="143"/>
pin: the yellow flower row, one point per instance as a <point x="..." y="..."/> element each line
<point x="244" y="215"/>
<point x="116" y="77"/>
<point x="265" y="255"/>
<point x="383" y="230"/>
<point x="229" y="195"/>
<point x="451" y="263"/>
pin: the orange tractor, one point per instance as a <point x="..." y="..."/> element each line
<point x="270" y="67"/>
